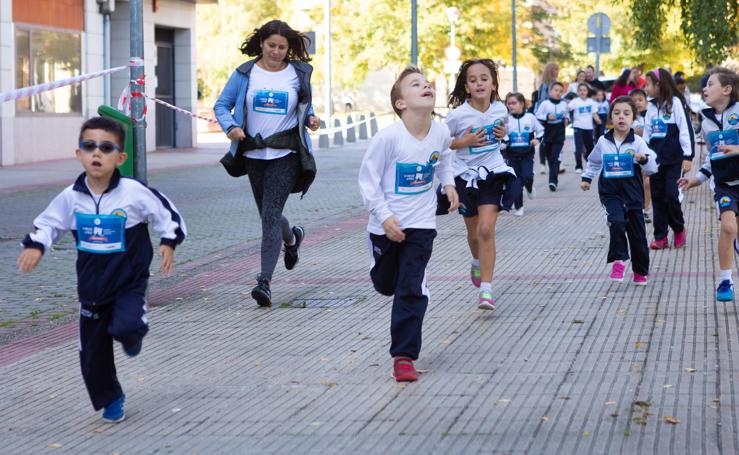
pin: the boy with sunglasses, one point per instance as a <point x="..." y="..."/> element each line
<point x="108" y="216"/>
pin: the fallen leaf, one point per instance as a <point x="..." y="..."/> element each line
<point x="328" y="383"/>
<point x="691" y="370"/>
<point x="586" y="433"/>
<point x="642" y="404"/>
<point x="545" y="418"/>
<point x="99" y="430"/>
<point x="610" y="402"/>
<point x="672" y="420"/>
<point x="668" y="386"/>
<point x="661" y="321"/>
<point x="422" y="371"/>
<point x="502" y="401"/>
<point x="54" y="445"/>
<point x="52" y="396"/>
<point x="315" y="424"/>
<point x="614" y="415"/>
<point x="637" y="345"/>
<point x="324" y="359"/>
<point x="140" y="379"/>
<point x="176" y="410"/>
<point x="564" y="398"/>
<point x="578" y="321"/>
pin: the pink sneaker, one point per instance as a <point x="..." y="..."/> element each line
<point x="475" y="276"/>
<point x="660" y="244"/>
<point x="486" y="301"/>
<point x="680" y="238"/>
<point x="617" y="271"/>
<point x="640" y="280"/>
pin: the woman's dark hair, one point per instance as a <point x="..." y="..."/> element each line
<point x="623" y="79"/>
<point x="297" y="43"/>
<point x="667" y="88"/>
<point x="624" y="100"/>
<point x="459" y="95"/>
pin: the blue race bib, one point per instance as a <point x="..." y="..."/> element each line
<point x="617" y="165"/>
<point x="101" y="234"/>
<point x="583" y="109"/>
<point x="725" y="137"/>
<point x="659" y="128"/>
<point x="270" y="102"/>
<point x="559" y="117"/>
<point x="413" y="178"/>
<point x="519" y="139"/>
<point x="489" y="136"/>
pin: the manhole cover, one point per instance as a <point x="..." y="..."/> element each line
<point x="324" y="303"/>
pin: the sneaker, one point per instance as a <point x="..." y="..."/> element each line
<point x="578" y="171"/>
<point x="261" y="293"/>
<point x="647" y="217"/>
<point x="403" y="370"/>
<point x="542" y="169"/>
<point x="486" y="301"/>
<point x="680" y="238"/>
<point x="680" y="195"/>
<point x="518" y="211"/>
<point x="725" y="291"/>
<point x="531" y="194"/>
<point x="291" y="251"/>
<point x="475" y="275"/>
<point x="552" y="187"/>
<point x="561" y="169"/>
<point x="133" y="350"/>
<point x="662" y="244"/>
<point x="114" y="411"/>
<point x="617" y="272"/>
<point x="640" y="280"/>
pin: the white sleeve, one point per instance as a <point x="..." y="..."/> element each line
<point x="595" y="162"/>
<point x="52" y="223"/>
<point x="541" y="113"/>
<point x="167" y="221"/>
<point x="537" y="127"/>
<point x="648" y="124"/>
<point x="446" y="165"/>
<point x="370" y="179"/>
<point x="651" y="166"/>
<point x="452" y="123"/>
<point x="682" y="124"/>
<point x="571" y="105"/>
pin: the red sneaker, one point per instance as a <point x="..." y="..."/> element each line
<point x="660" y="244"/>
<point x="403" y="370"/>
<point x="680" y="238"/>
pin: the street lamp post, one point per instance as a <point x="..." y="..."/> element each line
<point x="452" y="53"/>
<point x="513" y="35"/>
<point x="327" y="63"/>
<point x="414" y="32"/>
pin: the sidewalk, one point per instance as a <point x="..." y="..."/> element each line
<point x="568" y="363"/>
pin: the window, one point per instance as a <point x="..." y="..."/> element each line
<point x="46" y="56"/>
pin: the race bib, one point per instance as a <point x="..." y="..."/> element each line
<point x="603" y="109"/>
<point x="101" y="234"/>
<point x="519" y="139"/>
<point x="489" y="136"/>
<point x="413" y="178"/>
<point x="270" y="102"/>
<point x="584" y="109"/>
<point x="558" y="117"/>
<point x="659" y="128"/>
<point x="617" y="165"/>
<point x="725" y="137"/>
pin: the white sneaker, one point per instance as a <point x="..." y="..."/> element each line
<point x="680" y="195"/>
<point x="518" y="212"/>
<point x="578" y="171"/>
<point x="542" y="169"/>
<point x="531" y="194"/>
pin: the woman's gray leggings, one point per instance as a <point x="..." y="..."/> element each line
<point x="271" y="182"/>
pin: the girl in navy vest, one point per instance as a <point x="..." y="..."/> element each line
<point x="668" y="132"/>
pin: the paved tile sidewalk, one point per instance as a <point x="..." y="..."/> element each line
<point x="569" y="363"/>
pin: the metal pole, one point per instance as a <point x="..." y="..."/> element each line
<point x="513" y="34"/>
<point x="414" y="32"/>
<point x="137" y="101"/>
<point x="327" y="40"/>
<point x="598" y="34"/>
<point x="106" y="58"/>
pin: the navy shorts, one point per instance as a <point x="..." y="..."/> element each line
<point x="726" y="198"/>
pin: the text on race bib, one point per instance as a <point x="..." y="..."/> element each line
<point x="617" y="165"/>
<point x="270" y="102"/>
<point x="101" y="234"/>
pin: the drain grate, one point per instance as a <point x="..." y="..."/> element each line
<point x="324" y="303"/>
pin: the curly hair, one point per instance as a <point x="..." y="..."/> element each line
<point x="459" y="94"/>
<point x="297" y="42"/>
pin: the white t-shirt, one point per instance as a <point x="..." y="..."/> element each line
<point x="582" y="112"/>
<point x="271" y="103"/>
<point x="487" y="156"/>
<point x="399" y="175"/>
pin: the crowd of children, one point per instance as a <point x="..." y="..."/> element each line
<point x="481" y="162"/>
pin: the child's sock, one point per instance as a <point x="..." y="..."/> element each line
<point x="486" y="287"/>
<point x="475" y="262"/>
<point x="726" y="275"/>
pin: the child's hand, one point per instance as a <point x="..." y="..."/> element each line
<point x="535" y="142"/>
<point x="686" y="183"/>
<point x="551" y="117"/>
<point x="597" y="119"/>
<point x="728" y="150"/>
<point x="687" y="165"/>
<point x="29" y="259"/>
<point x="639" y="131"/>
<point x="585" y="186"/>
<point x="166" y="252"/>
<point x="476" y="139"/>
<point x="499" y="131"/>
<point x="451" y="194"/>
<point x="236" y="134"/>
<point x="314" y="122"/>
<point x="639" y="157"/>
<point x="391" y="226"/>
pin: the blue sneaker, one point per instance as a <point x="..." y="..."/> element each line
<point x="725" y="291"/>
<point x="114" y="411"/>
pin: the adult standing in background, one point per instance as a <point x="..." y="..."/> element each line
<point x="265" y="109"/>
<point x="592" y="80"/>
<point x="572" y="88"/>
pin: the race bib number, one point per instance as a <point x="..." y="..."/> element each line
<point x="726" y="137"/>
<point x="617" y="165"/>
<point x="489" y="136"/>
<point x="270" y="102"/>
<point x="659" y="128"/>
<point x="584" y="109"/>
<point x="413" y="178"/>
<point x="101" y="234"/>
<point x="519" y="139"/>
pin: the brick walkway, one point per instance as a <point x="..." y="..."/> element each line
<point x="568" y="363"/>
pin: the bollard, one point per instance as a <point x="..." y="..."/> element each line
<point x="351" y="133"/>
<point x="362" y="127"/>
<point x="323" y="137"/>
<point x="373" y="124"/>
<point x="338" y="136"/>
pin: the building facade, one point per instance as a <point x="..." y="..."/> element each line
<point x="47" y="40"/>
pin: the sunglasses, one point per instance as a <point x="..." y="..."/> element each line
<point x="105" y="146"/>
